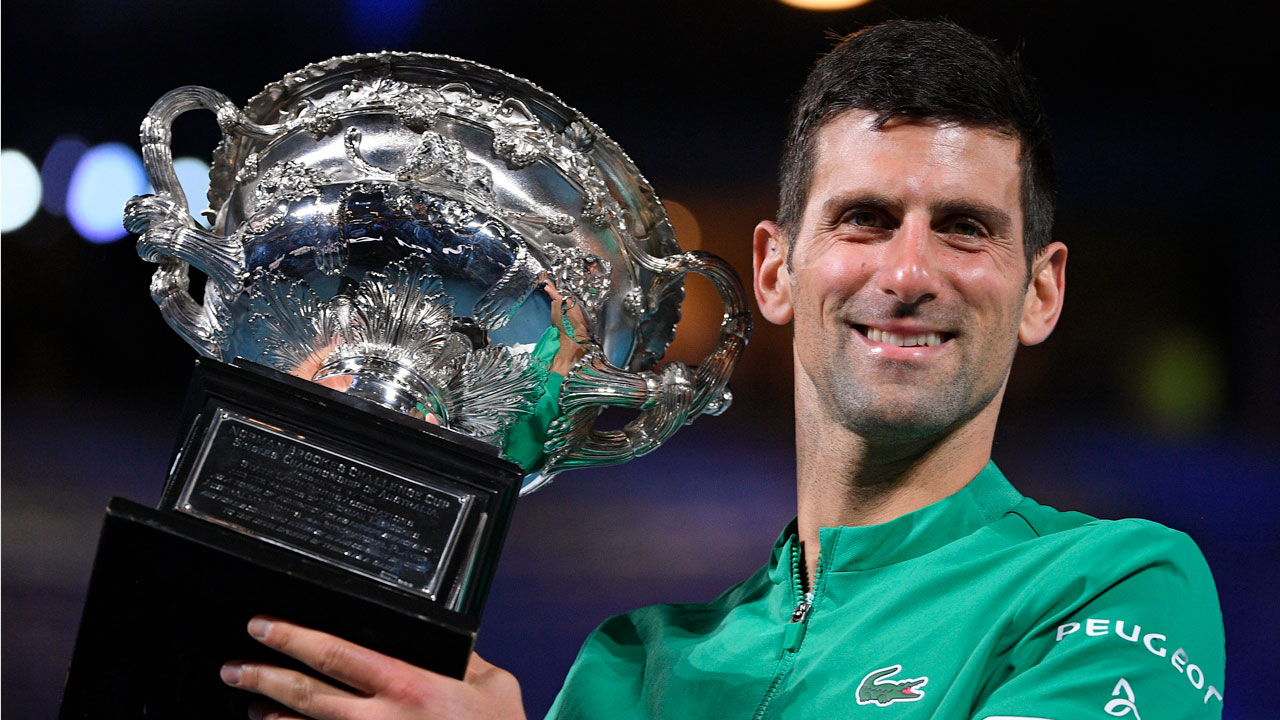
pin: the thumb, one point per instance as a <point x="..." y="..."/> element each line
<point x="477" y="667"/>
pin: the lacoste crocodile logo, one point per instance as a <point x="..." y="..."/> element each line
<point x="878" y="689"/>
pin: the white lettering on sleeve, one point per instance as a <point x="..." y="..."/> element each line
<point x="1147" y="641"/>
<point x="1156" y="643"/>
<point x="1120" y="631"/>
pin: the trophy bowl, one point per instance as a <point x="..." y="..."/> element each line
<point x="432" y="235"/>
<point x="423" y="281"/>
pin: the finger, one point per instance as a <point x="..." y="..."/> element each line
<point x="292" y="689"/>
<point x="495" y="681"/>
<point x="476" y="666"/>
<point x="346" y="662"/>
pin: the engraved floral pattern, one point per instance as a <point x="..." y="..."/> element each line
<point x="287" y="182"/>
<point x="519" y="136"/>
<point x="580" y="273"/>
<point x="396" y="330"/>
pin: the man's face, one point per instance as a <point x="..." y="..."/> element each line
<point x="907" y="276"/>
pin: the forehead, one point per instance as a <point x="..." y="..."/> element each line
<point x="906" y="161"/>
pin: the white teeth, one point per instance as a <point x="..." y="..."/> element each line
<point x="931" y="339"/>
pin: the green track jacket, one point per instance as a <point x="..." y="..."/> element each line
<point x="983" y="605"/>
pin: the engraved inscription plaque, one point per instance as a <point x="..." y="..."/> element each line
<point x="280" y="487"/>
<point x="290" y="499"/>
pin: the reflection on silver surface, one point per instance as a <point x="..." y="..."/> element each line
<point x="397" y="225"/>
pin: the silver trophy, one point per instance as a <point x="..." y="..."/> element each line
<point x="424" y="280"/>
<point x="415" y="230"/>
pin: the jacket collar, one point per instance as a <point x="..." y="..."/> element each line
<point x="985" y="498"/>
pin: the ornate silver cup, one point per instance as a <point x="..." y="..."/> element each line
<point x="435" y="236"/>
<point x="424" y="232"/>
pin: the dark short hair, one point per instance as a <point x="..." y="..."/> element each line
<point x="923" y="70"/>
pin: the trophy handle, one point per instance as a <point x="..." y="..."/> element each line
<point x="171" y="238"/>
<point x="667" y="399"/>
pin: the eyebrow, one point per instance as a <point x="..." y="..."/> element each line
<point x="839" y="203"/>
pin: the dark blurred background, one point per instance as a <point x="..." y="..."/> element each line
<point x="1156" y="397"/>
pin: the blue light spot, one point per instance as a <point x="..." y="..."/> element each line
<point x="19" y="190"/>
<point x="193" y="175"/>
<point x="384" y="24"/>
<point x="104" y="179"/>
<point x="55" y="172"/>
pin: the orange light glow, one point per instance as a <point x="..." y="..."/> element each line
<point x="824" y="4"/>
<point x="688" y="233"/>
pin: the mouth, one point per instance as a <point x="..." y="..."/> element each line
<point x="927" y="339"/>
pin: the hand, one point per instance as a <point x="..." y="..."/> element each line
<point x="388" y="688"/>
<point x="310" y="368"/>
<point x="562" y="308"/>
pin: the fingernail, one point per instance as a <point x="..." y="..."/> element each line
<point x="230" y="673"/>
<point x="259" y="627"/>
<point x="257" y="712"/>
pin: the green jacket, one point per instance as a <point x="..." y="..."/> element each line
<point x="982" y="605"/>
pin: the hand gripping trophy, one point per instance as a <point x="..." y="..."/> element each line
<point x="467" y="271"/>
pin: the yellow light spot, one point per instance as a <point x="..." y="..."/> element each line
<point x="1182" y="383"/>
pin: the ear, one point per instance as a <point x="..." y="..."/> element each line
<point x="772" y="278"/>
<point x="1045" y="294"/>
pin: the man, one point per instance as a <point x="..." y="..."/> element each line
<point x="913" y="254"/>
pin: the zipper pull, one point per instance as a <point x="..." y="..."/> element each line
<point x="795" y="630"/>
<point x="802" y="611"/>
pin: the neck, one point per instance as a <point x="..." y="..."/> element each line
<point x="843" y="478"/>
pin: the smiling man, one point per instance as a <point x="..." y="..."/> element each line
<point x="912" y="255"/>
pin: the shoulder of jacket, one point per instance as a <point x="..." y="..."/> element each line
<point x="1045" y="521"/>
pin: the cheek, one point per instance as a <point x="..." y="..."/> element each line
<point x="990" y="289"/>
<point x="976" y="271"/>
<point x="837" y="275"/>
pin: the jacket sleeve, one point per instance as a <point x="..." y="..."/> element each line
<point x="1144" y="639"/>
<point x="605" y="680"/>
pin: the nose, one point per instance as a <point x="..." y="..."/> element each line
<point x="907" y="270"/>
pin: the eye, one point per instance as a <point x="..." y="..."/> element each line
<point x="967" y="228"/>
<point x="865" y="218"/>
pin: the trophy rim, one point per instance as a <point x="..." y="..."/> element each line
<point x="656" y="332"/>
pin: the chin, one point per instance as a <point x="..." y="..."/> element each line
<point x="889" y="428"/>
<point x="907" y="418"/>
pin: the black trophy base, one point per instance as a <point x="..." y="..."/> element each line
<point x="288" y="499"/>
<point x="170" y="598"/>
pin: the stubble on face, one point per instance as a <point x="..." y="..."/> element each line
<point x="845" y="279"/>
<point x="885" y="414"/>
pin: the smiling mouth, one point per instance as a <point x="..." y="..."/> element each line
<point x="929" y="339"/>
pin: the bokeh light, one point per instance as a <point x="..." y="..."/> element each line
<point x="193" y="175"/>
<point x="104" y="179"/>
<point x="1182" y="381"/>
<point x="56" y="171"/>
<point x="19" y="190"/>
<point x="825" y="4"/>
<point x="384" y="23"/>
<point x="688" y="232"/>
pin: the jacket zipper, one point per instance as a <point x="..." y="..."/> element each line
<point x="793" y="635"/>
